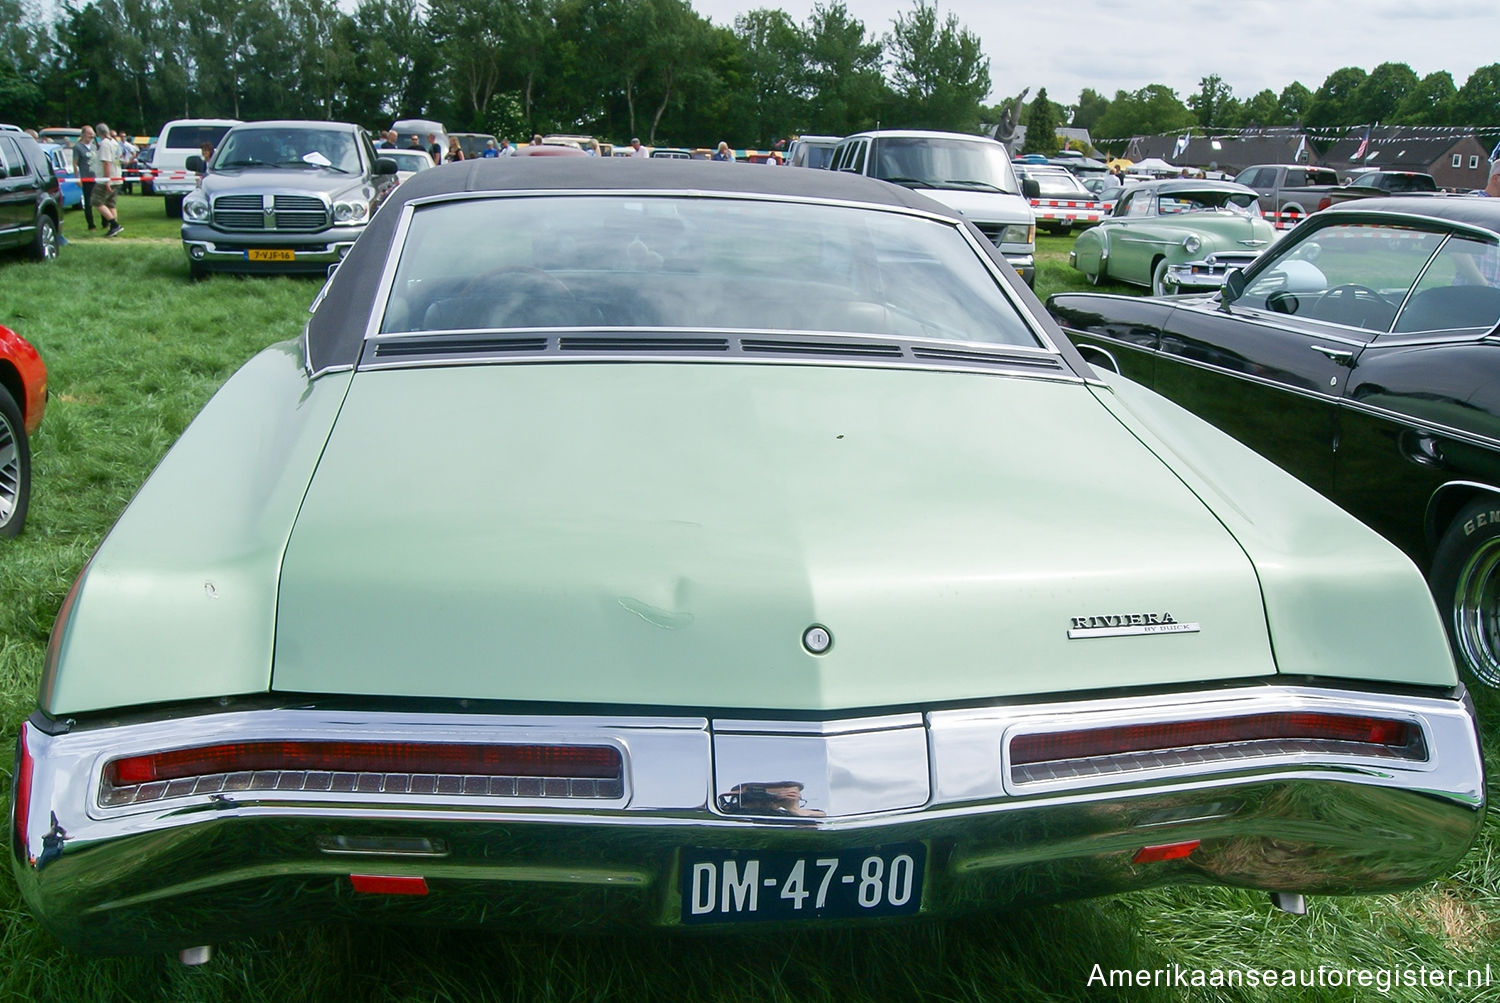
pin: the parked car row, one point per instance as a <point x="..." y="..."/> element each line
<point x="920" y="613"/>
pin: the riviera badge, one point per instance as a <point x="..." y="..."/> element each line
<point x="1121" y="624"/>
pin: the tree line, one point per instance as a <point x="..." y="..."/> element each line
<point x="613" y="68"/>
<point x="616" y="68"/>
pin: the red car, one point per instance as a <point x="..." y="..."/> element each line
<point x="23" y="398"/>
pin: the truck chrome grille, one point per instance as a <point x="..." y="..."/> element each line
<point x="290" y="213"/>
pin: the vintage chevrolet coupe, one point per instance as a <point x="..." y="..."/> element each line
<point x="552" y="578"/>
<point x="1174" y="236"/>
<point x="1360" y="354"/>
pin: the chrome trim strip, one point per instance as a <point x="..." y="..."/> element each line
<point x="692" y="193"/>
<point x="388" y="273"/>
<point x="1066" y="376"/>
<point x="398" y="239"/>
<point x="847" y="726"/>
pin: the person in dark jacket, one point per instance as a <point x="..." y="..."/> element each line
<point x="86" y="166"/>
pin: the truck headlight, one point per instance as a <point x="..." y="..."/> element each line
<point x="1018" y="234"/>
<point x="195" y="208"/>
<point x="350" y="212"/>
<point x="1192" y="244"/>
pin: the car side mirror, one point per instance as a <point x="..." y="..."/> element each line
<point x="1234" y="285"/>
<point x="1031" y="188"/>
<point x="385" y="165"/>
<point x="196" y="165"/>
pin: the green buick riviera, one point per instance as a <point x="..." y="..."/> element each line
<point x="600" y="558"/>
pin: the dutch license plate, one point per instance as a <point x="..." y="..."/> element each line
<point x="729" y="886"/>
<point x="271" y="254"/>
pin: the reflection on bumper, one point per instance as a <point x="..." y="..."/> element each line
<point x="1025" y="264"/>
<point x="269" y="850"/>
<point x="1208" y="273"/>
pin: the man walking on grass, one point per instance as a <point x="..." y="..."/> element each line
<point x="86" y="166"/>
<point x="109" y="173"/>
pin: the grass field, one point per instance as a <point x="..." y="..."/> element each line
<point x="134" y="350"/>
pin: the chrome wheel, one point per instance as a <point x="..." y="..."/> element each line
<point x="46" y="244"/>
<point x="1159" y="286"/>
<point x="1476" y="613"/>
<point x="12" y="469"/>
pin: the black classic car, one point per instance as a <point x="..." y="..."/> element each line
<point x="1361" y="353"/>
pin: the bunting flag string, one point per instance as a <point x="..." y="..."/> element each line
<point x="1401" y="133"/>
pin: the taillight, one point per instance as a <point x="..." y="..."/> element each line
<point x="369" y="757"/>
<point x="21" y="795"/>
<point x="1324" y="203"/>
<point x="425" y="770"/>
<point x="1380" y="734"/>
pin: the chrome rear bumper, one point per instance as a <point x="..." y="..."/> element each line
<point x="159" y="868"/>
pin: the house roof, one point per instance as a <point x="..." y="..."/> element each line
<point x="1394" y="148"/>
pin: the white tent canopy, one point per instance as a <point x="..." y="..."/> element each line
<point x="1153" y="165"/>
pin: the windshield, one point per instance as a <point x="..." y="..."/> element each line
<point x="288" y="147"/>
<point x="1171" y="203"/>
<point x="193" y="137"/>
<point x="656" y="262"/>
<point x="966" y="164"/>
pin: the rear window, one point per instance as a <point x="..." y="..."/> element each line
<point x="192" y="137"/>
<point x="698" y="263"/>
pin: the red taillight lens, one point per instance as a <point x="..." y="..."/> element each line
<point x="597" y="762"/>
<point x="22" y="789"/>
<point x="1291" y="726"/>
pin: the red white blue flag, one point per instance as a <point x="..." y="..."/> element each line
<point x="1364" y="144"/>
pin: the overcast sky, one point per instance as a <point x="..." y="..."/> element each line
<point x="1112" y="45"/>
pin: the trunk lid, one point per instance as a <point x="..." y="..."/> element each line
<point x="664" y="534"/>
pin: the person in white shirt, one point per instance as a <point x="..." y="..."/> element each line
<point x="637" y="150"/>
<point x="109" y="174"/>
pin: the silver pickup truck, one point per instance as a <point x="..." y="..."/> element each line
<point x="1289" y="192"/>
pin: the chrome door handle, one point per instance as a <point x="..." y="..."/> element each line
<point x="1342" y="356"/>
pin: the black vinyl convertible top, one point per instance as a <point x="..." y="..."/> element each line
<point x="336" y="331"/>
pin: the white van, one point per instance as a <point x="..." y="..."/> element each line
<point x="179" y="139"/>
<point x="970" y="174"/>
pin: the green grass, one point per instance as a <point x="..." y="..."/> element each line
<point x="134" y="350"/>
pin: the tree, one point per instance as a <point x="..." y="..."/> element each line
<point x="1212" y="103"/>
<point x="1336" y="102"/>
<point x="1090" y="108"/>
<point x="775" y="58"/>
<point x="1042" y="120"/>
<point x="1382" y="92"/>
<point x="846" y="89"/>
<point x="1293" y="102"/>
<point x="1152" y="109"/>
<point x="938" y="70"/>
<point x="468" y="38"/>
<point x="1429" y="102"/>
<point x="1478" y="100"/>
<point x="1262" y="109"/>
